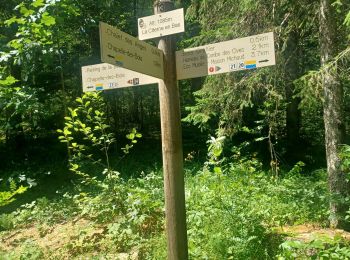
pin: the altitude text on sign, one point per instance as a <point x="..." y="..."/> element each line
<point x="240" y="54"/>
<point x="123" y="50"/>
<point x="163" y="24"/>
<point x="106" y="76"/>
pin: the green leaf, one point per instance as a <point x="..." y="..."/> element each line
<point x="11" y="20"/>
<point x="21" y="189"/>
<point x="10" y="80"/>
<point x="130" y="136"/>
<point x="47" y="19"/>
<point x="38" y="3"/>
<point x="73" y="113"/>
<point x="259" y="139"/>
<point x="217" y="170"/>
<point x="66" y="131"/>
<point x="347" y="20"/>
<point x="25" y="11"/>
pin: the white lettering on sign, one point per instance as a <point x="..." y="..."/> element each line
<point x="163" y="24"/>
<point x="240" y="54"/>
<point x="105" y="76"/>
<point x="123" y="50"/>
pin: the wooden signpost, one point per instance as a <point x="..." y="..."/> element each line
<point x="141" y="63"/>
<point x="174" y="186"/>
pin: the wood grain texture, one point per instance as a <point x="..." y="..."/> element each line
<point x="172" y="148"/>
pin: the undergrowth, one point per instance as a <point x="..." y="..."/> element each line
<point x="231" y="212"/>
<point x="233" y="209"/>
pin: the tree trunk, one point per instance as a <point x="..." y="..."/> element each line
<point x="333" y="116"/>
<point x="292" y="113"/>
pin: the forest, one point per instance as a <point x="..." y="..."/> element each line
<point x="263" y="156"/>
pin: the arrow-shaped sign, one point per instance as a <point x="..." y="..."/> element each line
<point x="121" y="49"/>
<point x="105" y="76"/>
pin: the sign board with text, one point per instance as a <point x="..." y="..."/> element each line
<point x="105" y="76"/>
<point x="163" y="24"/>
<point x="240" y="54"/>
<point x="123" y="50"/>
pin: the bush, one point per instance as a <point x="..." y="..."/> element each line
<point x="6" y="222"/>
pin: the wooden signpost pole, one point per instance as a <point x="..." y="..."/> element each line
<point x="172" y="147"/>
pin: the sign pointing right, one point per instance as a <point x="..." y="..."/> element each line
<point x="240" y="54"/>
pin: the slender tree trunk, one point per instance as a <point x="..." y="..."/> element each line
<point x="63" y="88"/>
<point x="16" y="136"/>
<point x="333" y="116"/>
<point x="292" y="113"/>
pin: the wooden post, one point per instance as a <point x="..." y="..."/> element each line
<point x="174" y="187"/>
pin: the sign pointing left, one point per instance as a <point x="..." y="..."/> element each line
<point x="106" y="76"/>
<point x="123" y="50"/>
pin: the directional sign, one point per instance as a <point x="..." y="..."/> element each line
<point x="240" y="54"/>
<point x="121" y="49"/>
<point x="161" y="24"/>
<point x="106" y="76"/>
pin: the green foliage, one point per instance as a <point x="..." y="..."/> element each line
<point x="87" y="122"/>
<point x="319" y="248"/>
<point x="133" y="136"/>
<point x="215" y="149"/>
<point x="83" y="242"/>
<point x="6" y="222"/>
<point x="34" y="23"/>
<point x="246" y="205"/>
<point x="347" y="20"/>
<point x="345" y="158"/>
<point x="7" y="194"/>
<point x="8" y="81"/>
<point x="45" y="212"/>
<point x="297" y="169"/>
<point x="230" y="214"/>
<point x="86" y="130"/>
<point x="28" y="250"/>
